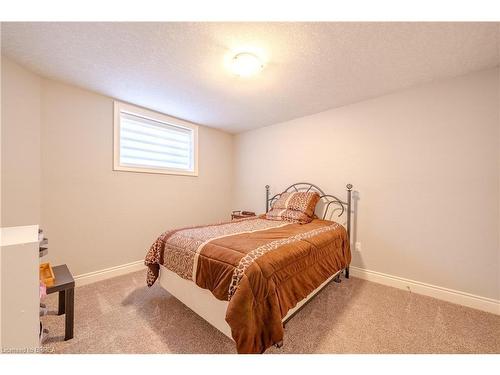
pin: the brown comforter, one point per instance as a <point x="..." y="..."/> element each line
<point x="263" y="267"/>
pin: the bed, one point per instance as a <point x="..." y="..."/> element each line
<point x="250" y="276"/>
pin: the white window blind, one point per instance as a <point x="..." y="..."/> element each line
<point x="151" y="144"/>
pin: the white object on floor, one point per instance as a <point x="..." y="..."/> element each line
<point x="44" y="335"/>
<point x="20" y="321"/>
<point x="44" y="310"/>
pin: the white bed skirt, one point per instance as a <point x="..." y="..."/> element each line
<point x="203" y="302"/>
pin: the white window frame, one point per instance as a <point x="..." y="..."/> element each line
<point x="120" y="107"/>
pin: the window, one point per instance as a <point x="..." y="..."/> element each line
<point x="146" y="141"/>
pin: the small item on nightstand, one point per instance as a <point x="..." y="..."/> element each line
<point x="241" y="214"/>
<point x="47" y="274"/>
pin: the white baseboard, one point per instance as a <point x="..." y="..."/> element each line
<point x="107" y="273"/>
<point x="454" y="296"/>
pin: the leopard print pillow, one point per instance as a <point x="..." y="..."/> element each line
<point x="292" y="216"/>
<point x="294" y="206"/>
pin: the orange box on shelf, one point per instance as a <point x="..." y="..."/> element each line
<point x="46" y="274"/>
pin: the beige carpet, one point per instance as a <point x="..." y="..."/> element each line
<point x="122" y="315"/>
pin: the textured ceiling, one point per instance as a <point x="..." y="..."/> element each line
<point x="178" y="68"/>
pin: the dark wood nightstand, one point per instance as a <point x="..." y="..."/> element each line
<point x="241" y="214"/>
<point x="65" y="285"/>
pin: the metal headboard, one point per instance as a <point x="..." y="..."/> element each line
<point x="327" y="199"/>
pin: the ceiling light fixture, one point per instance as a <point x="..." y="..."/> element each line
<point x="246" y="64"/>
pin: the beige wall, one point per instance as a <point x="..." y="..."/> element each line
<point x="20" y="187"/>
<point x="424" y="162"/>
<point x="425" y="165"/>
<point x="95" y="218"/>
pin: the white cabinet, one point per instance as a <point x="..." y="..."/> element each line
<point x="19" y="289"/>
